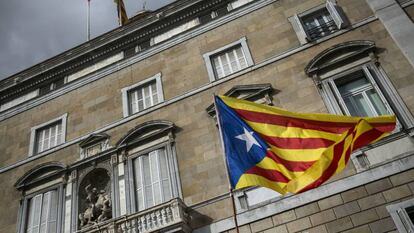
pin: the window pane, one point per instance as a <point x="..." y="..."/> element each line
<point x="360" y="104"/>
<point x="410" y="212"/>
<point x="241" y="58"/>
<point x="377" y="102"/>
<point x="147" y="182"/>
<point x="154" y="92"/>
<point x="52" y="218"/>
<point x="155" y="175"/>
<point x="218" y="68"/>
<point x="353" y="85"/>
<point x="48" y="137"/>
<point x="229" y="62"/>
<point x="138" y="184"/>
<point x="147" y="97"/>
<point x="167" y="195"/>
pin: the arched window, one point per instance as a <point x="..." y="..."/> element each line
<point x="151" y="165"/>
<point x="352" y="82"/>
<point x="41" y="206"/>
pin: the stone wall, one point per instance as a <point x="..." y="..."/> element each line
<point x="362" y="209"/>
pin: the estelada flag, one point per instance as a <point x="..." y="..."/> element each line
<point x="122" y="15"/>
<point x="290" y="152"/>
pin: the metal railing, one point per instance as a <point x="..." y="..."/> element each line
<point x="322" y="30"/>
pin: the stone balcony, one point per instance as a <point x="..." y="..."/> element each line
<point x="167" y="217"/>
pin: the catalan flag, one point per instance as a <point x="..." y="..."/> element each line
<point x="290" y="152"/>
<point x="122" y="15"/>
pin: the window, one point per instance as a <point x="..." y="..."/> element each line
<point x="228" y="59"/>
<point x="352" y="82"/>
<point x="358" y="94"/>
<point x="152" y="179"/>
<point x="142" y="95"/>
<point x="152" y="170"/>
<point x="42" y="213"/>
<point x="41" y="207"/>
<point x="318" y="22"/>
<point x="48" y="135"/>
<point x="403" y="215"/>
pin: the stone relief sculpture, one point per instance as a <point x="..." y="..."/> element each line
<point x="95" y="206"/>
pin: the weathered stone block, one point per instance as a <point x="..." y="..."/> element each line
<point x="383" y="225"/>
<point x="330" y="202"/>
<point x="242" y="229"/>
<point x="346" y="209"/>
<point x="354" y="194"/>
<point x="261" y="225"/>
<point x="364" y="217"/>
<point x="299" y="225"/>
<point x="361" y="229"/>
<point x="322" y="217"/>
<point x="371" y="201"/>
<point x="318" y="229"/>
<point x="339" y="225"/>
<point x="284" y="217"/>
<point x="378" y="186"/>
<point x="278" y="229"/>
<point x="402" y="178"/>
<point x="307" y="210"/>
<point x="397" y="193"/>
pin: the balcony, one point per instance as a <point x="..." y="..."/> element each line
<point x="167" y="217"/>
<point x="322" y="30"/>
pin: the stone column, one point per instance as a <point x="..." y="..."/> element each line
<point x="397" y="23"/>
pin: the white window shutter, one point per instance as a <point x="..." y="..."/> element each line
<point x="298" y="27"/>
<point x="336" y="14"/>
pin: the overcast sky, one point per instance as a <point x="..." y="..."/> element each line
<point x="32" y="31"/>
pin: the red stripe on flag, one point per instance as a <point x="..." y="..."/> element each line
<point x="272" y="175"/>
<point x="366" y="138"/>
<point x="260" y="117"/>
<point x="293" y="166"/>
<point x="338" y="150"/>
<point x="332" y="127"/>
<point x="297" y="143"/>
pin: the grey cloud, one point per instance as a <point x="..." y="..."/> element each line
<point x="32" y="31"/>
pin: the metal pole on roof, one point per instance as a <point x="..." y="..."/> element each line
<point x="88" y="26"/>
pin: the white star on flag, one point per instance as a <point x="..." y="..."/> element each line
<point x="248" y="138"/>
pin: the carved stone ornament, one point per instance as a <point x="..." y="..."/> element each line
<point x="95" y="204"/>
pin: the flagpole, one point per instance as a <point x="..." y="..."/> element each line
<point x="227" y="166"/>
<point x="88" y="28"/>
<point x="119" y="13"/>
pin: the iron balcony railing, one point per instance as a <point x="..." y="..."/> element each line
<point x="325" y="29"/>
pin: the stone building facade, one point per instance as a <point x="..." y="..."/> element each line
<point x="119" y="135"/>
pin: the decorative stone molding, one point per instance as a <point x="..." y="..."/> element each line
<point x="171" y="216"/>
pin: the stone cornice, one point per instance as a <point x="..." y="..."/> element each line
<point x="105" y="45"/>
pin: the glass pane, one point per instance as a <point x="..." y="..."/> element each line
<point x="354" y="85"/>
<point x="133" y="102"/>
<point x="45" y="212"/>
<point x="233" y="62"/>
<point x="154" y="92"/>
<point x="361" y="105"/>
<point x="147" y="182"/>
<point x="147" y="97"/>
<point x="155" y="175"/>
<point x="410" y="213"/>
<point x="225" y="63"/>
<point x="165" y="175"/>
<point x="46" y="139"/>
<point x="52" y="219"/>
<point x="241" y="58"/>
<point x="53" y="134"/>
<point x="138" y="184"/>
<point x="217" y="66"/>
<point x="377" y="102"/>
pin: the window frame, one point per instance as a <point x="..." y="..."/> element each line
<point x="33" y="134"/>
<point x="333" y="9"/>
<point x="163" y="142"/>
<point x="24" y="207"/>
<point x="126" y="90"/>
<point x="400" y="217"/>
<point x="242" y="42"/>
